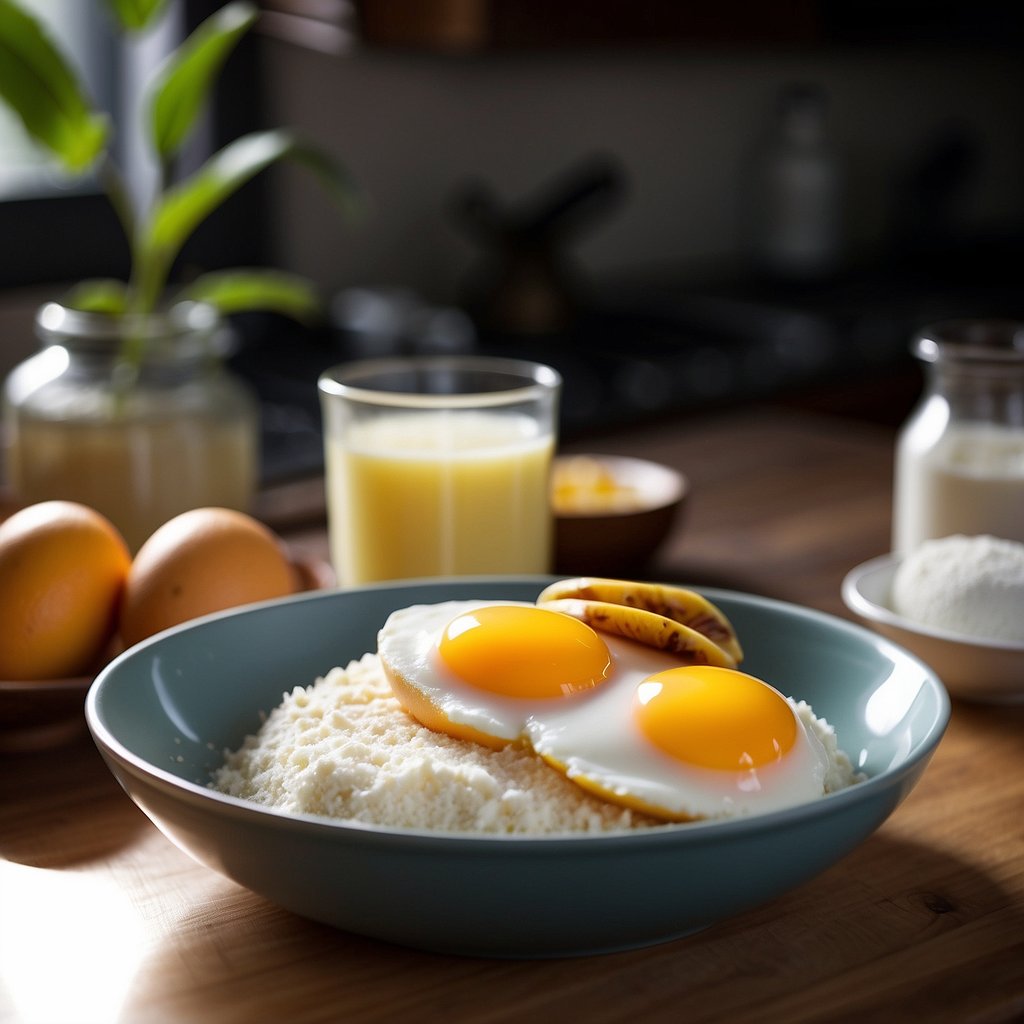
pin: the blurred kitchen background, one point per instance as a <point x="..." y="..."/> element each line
<point x="682" y="206"/>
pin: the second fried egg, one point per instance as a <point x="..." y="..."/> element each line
<point x="622" y="720"/>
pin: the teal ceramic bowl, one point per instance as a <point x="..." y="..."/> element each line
<point x="163" y="713"/>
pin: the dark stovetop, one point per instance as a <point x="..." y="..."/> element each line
<point x="644" y="352"/>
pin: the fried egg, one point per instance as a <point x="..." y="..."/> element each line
<point x="623" y="720"/>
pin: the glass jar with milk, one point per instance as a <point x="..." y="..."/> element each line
<point x="177" y="431"/>
<point x="960" y="457"/>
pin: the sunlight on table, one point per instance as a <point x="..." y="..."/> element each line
<point x="70" y="945"/>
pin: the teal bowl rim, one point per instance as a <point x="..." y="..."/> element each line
<point x="695" y="832"/>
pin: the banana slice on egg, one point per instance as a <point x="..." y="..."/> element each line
<point x="664" y="617"/>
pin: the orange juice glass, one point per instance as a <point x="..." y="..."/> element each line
<point x="439" y="466"/>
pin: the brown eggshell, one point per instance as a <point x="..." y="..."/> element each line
<point x="202" y="561"/>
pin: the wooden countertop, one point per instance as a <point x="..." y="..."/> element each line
<point x="102" y="919"/>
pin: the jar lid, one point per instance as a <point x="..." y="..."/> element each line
<point x="187" y="329"/>
<point x="968" y="340"/>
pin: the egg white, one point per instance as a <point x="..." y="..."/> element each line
<point x="407" y="645"/>
<point x="599" y="745"/>
<point x="593" y="737"/>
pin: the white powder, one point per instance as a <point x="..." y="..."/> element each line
<point x="840" y="772"/>
<point x="971" y="585"/>
<point x="344" y="748"/>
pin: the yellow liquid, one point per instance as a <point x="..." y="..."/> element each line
<point x="138" y="474"/>
<point x="439" y="494"/>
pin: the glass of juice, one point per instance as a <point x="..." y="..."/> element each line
<point x="439" y="466"/>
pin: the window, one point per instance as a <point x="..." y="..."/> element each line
<point x="55" y="230"/>
<point x="45" y="217"/>
<point x="25" y="171"/>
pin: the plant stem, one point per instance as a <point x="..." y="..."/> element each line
<point x="120" y="199"/>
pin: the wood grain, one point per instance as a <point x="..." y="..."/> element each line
<point x="924" y="921"/>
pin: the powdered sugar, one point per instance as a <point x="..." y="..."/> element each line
<point x="969" y="585"/>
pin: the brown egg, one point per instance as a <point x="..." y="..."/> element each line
<point x="62" y="569"/>
<point x="202" y="561"/>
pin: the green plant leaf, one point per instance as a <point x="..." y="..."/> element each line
<point x="244" y="289"/>
<point x="334" y="177"/>
<point x="99" y="295"/>
<point x="135" y="15"/>
<point x="183" y="83"/>
<point x="43" y="90"/>
<point x="183" y="207"/>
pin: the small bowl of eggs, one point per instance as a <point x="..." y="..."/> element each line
<point x="72" y="596"/>
<point x="612" y="512"/>
<point x="257" y="739"/>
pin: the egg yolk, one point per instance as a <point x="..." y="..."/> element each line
<point x="715" y="717"/>
<point x="524" y="652"/>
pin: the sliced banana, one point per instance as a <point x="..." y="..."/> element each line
<point x="665" y="616"/>
<point x="648" y="628"/>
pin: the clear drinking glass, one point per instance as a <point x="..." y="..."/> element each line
<point x="439" y="466"/>
<point x="960" y="455"/>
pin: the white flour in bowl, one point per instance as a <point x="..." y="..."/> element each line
<point x="970" y="585"/>
<point x="344" y="748"/>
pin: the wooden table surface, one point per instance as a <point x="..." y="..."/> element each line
<point x="103" y="919"/>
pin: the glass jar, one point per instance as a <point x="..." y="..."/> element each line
<point x="959" y="464"/>
<point x="140" y="445"/>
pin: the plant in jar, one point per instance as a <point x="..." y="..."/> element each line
<point x="145" y="414"/>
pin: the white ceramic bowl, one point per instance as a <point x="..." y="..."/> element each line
<point x="989" y="671"/>
<point x="163" y="712"/>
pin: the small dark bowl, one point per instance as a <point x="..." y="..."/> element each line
<point x="614" y="540"/>
<point x="41" y="713"/>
